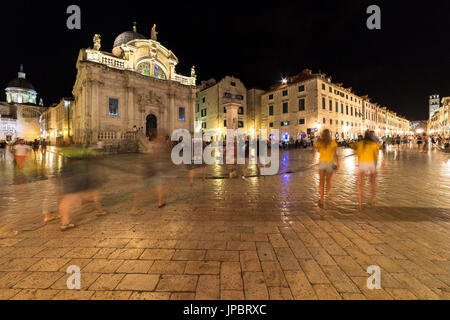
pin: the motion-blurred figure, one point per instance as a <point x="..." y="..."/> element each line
<point x="3" y="146"/>
<point x="35" y="146"/>
<point x="80" y="180"/>
<point x="20" y="153"/>
<point x="153" y="175"/>
<point x="367" y="152"/>
<point x="328" y="162"/>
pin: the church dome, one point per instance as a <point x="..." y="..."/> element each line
<point x="21" y="84"/>
<point x="126" y="37"/>
<point x="20" y="90"/>
<point x="123" y="38"/>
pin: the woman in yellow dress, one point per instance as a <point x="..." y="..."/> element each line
<point x="367" y="152"/>
<point x="328" y="162"/>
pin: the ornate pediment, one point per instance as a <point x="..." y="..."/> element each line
<point x="149" y="98"/>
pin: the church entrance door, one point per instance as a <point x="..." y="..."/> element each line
<point x="151" y="126"/>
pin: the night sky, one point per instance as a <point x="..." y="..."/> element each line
<point x="257" y="41"/>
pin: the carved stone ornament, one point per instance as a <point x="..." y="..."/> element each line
<point x="149" y="98"/>
<point x="97" y="42"/>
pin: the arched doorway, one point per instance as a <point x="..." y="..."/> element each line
<point x="151" y="126"/>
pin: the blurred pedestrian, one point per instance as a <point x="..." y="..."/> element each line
<point x="80" y="180"/>
<point x="153" y="175"/>
<point x="20" y="153"/>
<point x="367" y="152"/>
<point x="35" y="146"/>
<point x="328" y="162"/>
<point x="425" y="143"/>
<point x="44" y="147"/>
<point x="3" y="146"/>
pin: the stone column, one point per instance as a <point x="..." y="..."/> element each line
<point x="232" y="115"/>
<point x="170" y="115"/>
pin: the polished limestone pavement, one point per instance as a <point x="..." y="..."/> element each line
<point x="259" y="238"/>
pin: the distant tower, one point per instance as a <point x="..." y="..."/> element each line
<point x="435" y="103"/>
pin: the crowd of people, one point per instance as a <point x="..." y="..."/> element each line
<point x="367" y="151"/>
<point x="81" y="178"/>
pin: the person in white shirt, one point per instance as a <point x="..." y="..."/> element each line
<point x="20" y="153"/>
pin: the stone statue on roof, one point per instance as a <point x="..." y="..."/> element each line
<point x="97" y="42"/>
<point x="154" y="35"/>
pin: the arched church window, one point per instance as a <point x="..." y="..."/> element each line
<point x="144" y="68"/>
<point x="159" y="73"/>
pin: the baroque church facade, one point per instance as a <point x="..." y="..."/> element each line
<point x="135" y="88"/>
<point x="20" y="115"/>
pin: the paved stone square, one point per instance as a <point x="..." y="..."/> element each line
<point x="260" y="238"/>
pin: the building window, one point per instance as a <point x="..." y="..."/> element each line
<point x="284" y="123"/>
<point x="198" y="107"/>
<point x="285" y="107"/>
<point x="240" y="124"/>
<point x="241" y="110"/>
<point x="301" y="121"/>
<point x="239" y="97"/>
<point x="271" y="111"/>
<point x="331" y="105"/>
<point x="337" y="107"/>
<point x="301" y="88"/>
<point x="346" y="110"/>
<point x="351" y="110"/>
<point x="224" y="123"/>
<point x="323" y="104"/>
<point x="342" y="108"/>
<point x="203" y="113"/>
<point x="331" y="121"/>
<point x="224" y="110"/>
<point x="301" y="105"/>
<point x="204" y="99"/>
<point x="331" y="90"/>
<point x="324" y="121"/>
<point x="285" y="93"/>
<point x="181" y="113"/>
<point x="233" y="84"/>
<point x="337" y="122"/>
<point x="113" y="106"/>
<point x="270" y="96"/>
<point x="271" y="124"/>
<point x="323" y="86"/>
<point x="204" y="125"/>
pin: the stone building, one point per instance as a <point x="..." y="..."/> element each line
<point x="434" y="104"/>
<point x="304" y="104"/>
<point x="19" y="115"/>
<point x="56" y="123"/>
<point x="440" y="122"/>
<point x="134" y="88"/>
<point x="222" y="105"/>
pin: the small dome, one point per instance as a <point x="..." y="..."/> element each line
<point x="126" y="37"/>
<point x="20" y="83"/>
